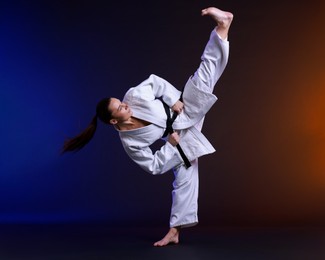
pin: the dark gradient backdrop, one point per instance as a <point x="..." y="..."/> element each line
<point x="58" y="58"/>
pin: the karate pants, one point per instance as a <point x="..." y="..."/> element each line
<point x="184" y="210"/>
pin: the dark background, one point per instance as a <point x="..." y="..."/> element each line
<point x="58" y="58"/>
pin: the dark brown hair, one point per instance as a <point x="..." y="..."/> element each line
<point x="79" y="141"/>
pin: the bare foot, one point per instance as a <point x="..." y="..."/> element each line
<point x="222" y="18"/>
<point x="172" y="237"/>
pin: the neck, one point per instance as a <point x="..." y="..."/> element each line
<point x="131" y="123"/>
<point x="126" y="125"/>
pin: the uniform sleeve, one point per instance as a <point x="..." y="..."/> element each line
<point x="156" y="163"/>
<point x="152" y="88"/>
<point x="162" y="88"/>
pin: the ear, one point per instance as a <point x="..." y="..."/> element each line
<point x="113" y="121"/>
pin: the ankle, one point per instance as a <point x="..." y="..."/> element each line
<point x="174" y="230"/>
<point x="225" y="23"/>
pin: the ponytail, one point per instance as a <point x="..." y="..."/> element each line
<point x="76" y="143"/>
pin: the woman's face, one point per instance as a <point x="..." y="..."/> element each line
<point x="120" y="111"/>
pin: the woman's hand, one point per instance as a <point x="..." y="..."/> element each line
<point x="173" y="139"/>
<point x="178" y="107"/>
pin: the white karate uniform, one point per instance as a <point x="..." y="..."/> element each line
<point x="198" y="99"/>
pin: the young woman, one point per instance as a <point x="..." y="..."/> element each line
<point x="140" y="119"/>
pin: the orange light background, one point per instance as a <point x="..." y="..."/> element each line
<point x="272" y="102"/>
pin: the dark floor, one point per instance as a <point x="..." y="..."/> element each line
<point x="90" y="241"/>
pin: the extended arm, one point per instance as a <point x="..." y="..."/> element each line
<point x="155" y="163"/>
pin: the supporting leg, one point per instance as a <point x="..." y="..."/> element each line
<point x="185" y="203"/>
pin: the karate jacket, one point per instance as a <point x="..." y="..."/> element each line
<point x="144" y="101"/>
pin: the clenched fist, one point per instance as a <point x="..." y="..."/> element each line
<point x="178" y="107"/>
<point x="173" y="139"/>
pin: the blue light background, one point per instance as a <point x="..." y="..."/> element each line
<point x="58" y="60"/>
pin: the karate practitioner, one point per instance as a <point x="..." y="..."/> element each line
<point x="140" y="119"/>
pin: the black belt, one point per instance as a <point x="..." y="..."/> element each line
<point x="169" y="130"/>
